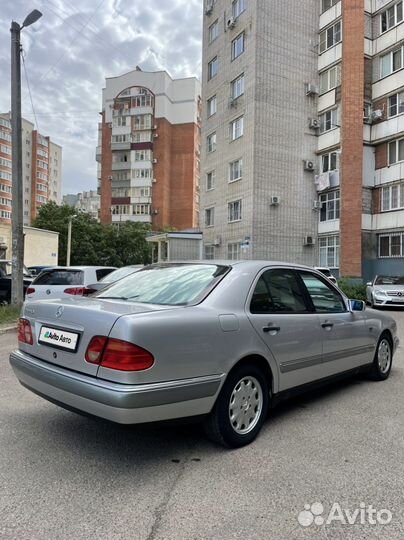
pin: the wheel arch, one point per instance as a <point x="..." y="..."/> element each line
<point x="262" y="363"/>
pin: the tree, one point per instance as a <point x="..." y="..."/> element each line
<point x="92" y="242"/>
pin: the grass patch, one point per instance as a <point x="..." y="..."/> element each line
<point x="9" y="314"/>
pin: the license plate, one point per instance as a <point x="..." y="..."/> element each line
<point x="58" y="338"/>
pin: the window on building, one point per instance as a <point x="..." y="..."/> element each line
<point x="213" y="68"/>
<point x="5" y="136"/>
<point x="330" y="206"/>
<point x="392" y="197"/>
<point x="142" y="173"/>
<point x="238" y="6"/>
<point x="119" y="121"/>
<point x="5" y="175"/>
<point x="143" y="155"/>
<point x="213" y="31"/>
<point x="327" y="4"/>
<point x="141" y="136"/>
<point x="330" y="37"/>
<point x="236" y="170"/>
<point x="209" y="217"/>
<point x="237" y="46"/>
<point x="329" y="120"/>
<point x="391" y="62"/>
<point x="143" y="100"/>
<point x="211" y="142"/>
<point x="233" y="251"/>
<point x="391" y="245"/>
<point x="210" y="180"/>
<point x="396" y="104"/>
<point x="329" y="162"/>
<point x="234" y="211"/>
<point x="5" y="149"/>
<point x="6" y="189"/>
<point x="142" y="121"/>
<point x="5" y="123"/>
<point x="237" y="87"/>
<point x="212" y="106"/>
<point x="141" y="209"/>
<point x="396" y="151"/>
<point x="5" y="162"/>
<point x="391" y="16"/>
<point x="5" y="215"/>
<point x="209" y="252"/>
<point x="5" y="202"/>
<point x="237" y="128"/>
<point x="329" y="251"/>
<point x="330" y="79"/>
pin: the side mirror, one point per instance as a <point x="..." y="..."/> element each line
<point x="369" y="284"/>
<point x="357" y="305"/>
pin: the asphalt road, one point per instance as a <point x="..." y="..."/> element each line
<point x="63" y="476"/>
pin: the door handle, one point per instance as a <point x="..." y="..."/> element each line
<point x="327" y="325"/>
<point x="271" y="328"/>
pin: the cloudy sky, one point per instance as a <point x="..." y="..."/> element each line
<point x="75" y="45"/>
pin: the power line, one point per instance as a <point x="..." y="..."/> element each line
<point x="29" y="89"/>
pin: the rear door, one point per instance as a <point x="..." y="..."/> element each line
<point x="53" y="283"/>
<point x="347" y="342"/>
<point x="283" y="318"/>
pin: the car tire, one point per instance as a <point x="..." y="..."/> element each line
<point x="240" y="409"/>
<point x="383" y="359"/>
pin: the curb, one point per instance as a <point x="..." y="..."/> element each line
<point x="8" y="329"/>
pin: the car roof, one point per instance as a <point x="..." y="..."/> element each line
<point x="250" y="265"/>
<point x="80" y="267"/>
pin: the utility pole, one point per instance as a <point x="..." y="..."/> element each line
<point x="17" y="286"/>
<point x="69" y="239"/>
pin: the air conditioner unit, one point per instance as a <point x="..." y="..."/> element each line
<point x="317" y="205"/>
<point x="314" y="123"/>
<point x="309" y="165"/>
<point x="377" y="114"/>
<point x="156" y="135"/>
<point x="154" y="180"/>
<point x="309" y="241"/>
<point x="155" y="160"/>
<point x="217" y="241"/>
<point x="311" y="89"/>
<point x="275" y="200"/>
<point x="155" y="212"/>
<point x="231" y="22"/>
<point x="155" y="126"/>
<point x="109" y="177"/>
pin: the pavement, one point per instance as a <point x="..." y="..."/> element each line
<point x="64" y="476"/>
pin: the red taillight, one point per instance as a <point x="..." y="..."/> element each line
<point x="25" y="332"/>
<point x="79" y="291"/>
<point x="30" y="290"/>
<point x="116" y="354"/>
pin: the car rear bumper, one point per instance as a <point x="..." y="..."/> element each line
<point x="121" y="403"/>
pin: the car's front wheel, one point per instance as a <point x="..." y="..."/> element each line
<point x="241" y="407"/>
<point x="383" y="359"/>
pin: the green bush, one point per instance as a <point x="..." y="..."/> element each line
<point x="9" y="314"/>
<point x="352" y="290"/>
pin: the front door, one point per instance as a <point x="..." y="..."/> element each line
<point x="282" y="317"/>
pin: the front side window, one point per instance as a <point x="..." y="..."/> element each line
<point x="209" y="217"/>
<point x="324" y="297"/>
<point x="330" y="206"/>
<point x="278" y="291"/>
<point x="237" y="46"/>
<point x="237" y="128"/>
<point x="236" y="170"/>
<point x="237" y="87"/>
<point x="234" y="211"/>
<point x="329" y="251"/>
<point x="213" y="68"/>
<point x="211" y="142"/>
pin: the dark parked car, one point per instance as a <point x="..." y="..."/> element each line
<point x="5" y="281"/>
<point x="35" y="270"/>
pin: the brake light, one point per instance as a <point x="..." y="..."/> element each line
<point x="25" y="332"/>
<point x="117" y="354"/>
<point x="79" y="291"/>
<point x="30" y="290"/>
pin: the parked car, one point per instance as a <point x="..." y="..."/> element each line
<point x="35" y="270"/>
<point x="114" y="276"/>
<point x="5" y="281"/>
<point x="226" y="340"/>
<point x="385" y="291"/>
<point x="65" y="281"/>
<point x="327" y="272"/>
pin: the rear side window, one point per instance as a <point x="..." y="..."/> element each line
<point x="60" y="277"/>
<point x="102" y="272"/>
<point x="278" y="291"/>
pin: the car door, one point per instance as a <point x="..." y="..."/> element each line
<point x="346" y="340"/>
<point x="280" y="312"/>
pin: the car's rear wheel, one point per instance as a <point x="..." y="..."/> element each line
<point x="383" y="359"/>
<point x="240" y="409"/>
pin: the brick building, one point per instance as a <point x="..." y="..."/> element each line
<point x="41" y="170"/>
<point x="148" y="151"/>
<point x="303" y="133"/>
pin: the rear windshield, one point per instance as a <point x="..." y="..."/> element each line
<point x="389" y="280"/>
<point x="171" y="285"/>
<point x="60" y="277"/>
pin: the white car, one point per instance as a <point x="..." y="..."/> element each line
<point x="327" y="273"/>
<point x="65" y="281"/>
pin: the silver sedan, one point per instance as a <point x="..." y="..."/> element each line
<point x="222" y="340"/>
<point x="385" y="291"/>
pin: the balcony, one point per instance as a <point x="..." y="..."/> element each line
<point x="98" y="154"/>
<point x="121" y="166"/>
<point x="120" y="145"/>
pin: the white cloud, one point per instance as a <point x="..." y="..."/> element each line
<point x="74" y="46"/>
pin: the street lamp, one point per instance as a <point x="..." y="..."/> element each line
<point x="17" y="291"/>
<point x="69" y="239"/>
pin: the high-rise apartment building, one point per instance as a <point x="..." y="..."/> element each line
<point x="86" y="201"/>
<point x="148" y="151"/>
<point x="41" y="170"/>
<point x="303" y="139"/>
